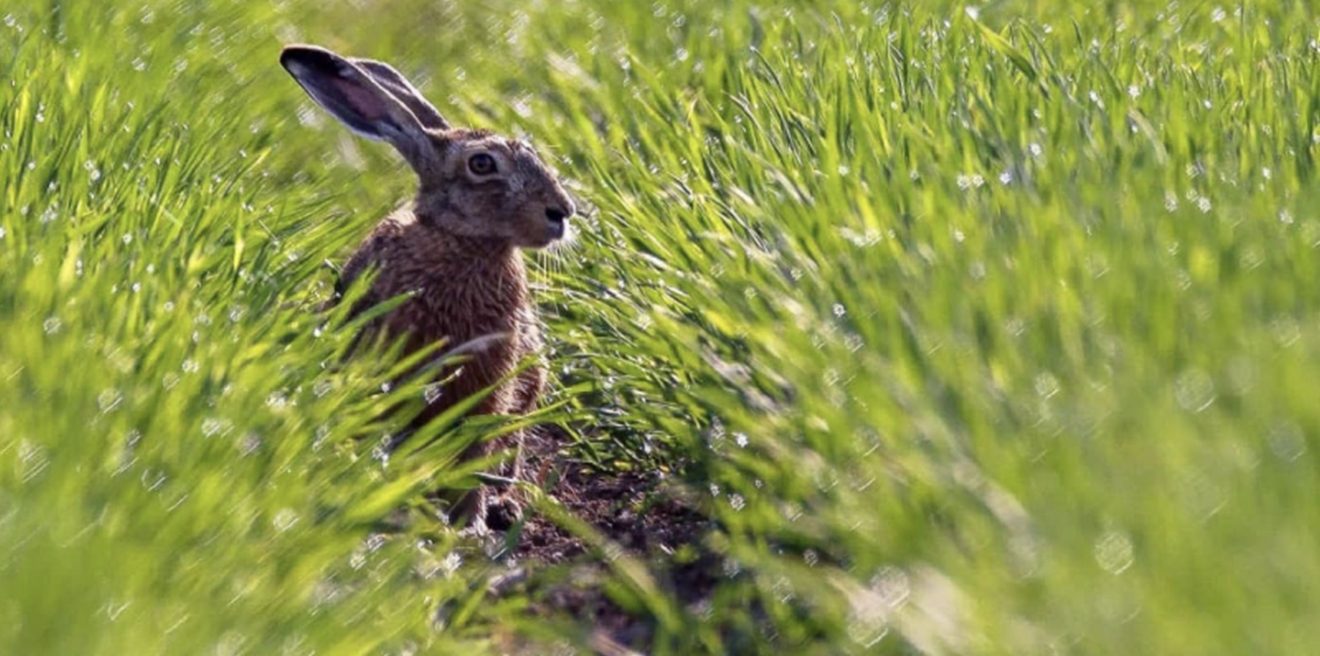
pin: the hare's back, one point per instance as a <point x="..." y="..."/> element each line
<point x="386" y="250"/>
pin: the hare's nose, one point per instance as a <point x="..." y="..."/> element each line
<point x="557" y="214"/>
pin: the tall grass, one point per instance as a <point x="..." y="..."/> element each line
<point x="987" y="331"/>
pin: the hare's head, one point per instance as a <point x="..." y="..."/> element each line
<point x="473" y="183"/>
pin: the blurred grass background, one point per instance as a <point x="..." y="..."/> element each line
<point x="978" y="329"/>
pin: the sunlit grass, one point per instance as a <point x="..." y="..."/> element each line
<point x="976" y="332"/>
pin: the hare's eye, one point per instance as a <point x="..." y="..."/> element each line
<point x="481" y="164"/>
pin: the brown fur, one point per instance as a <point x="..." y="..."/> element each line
<point x="455" y="248"/>
<point x="470" y="292"/>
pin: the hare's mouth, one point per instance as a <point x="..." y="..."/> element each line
<point x="558" y="229"/>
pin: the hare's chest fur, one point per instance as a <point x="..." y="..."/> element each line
<point x="472" y="295"/>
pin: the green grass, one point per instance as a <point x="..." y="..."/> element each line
<point x="975" y="335"/>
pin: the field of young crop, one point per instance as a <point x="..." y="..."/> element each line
<point x="984" y="329"/>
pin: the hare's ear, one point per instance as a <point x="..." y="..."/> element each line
<point x="394" y="82"/>
<point x="355" y="98"/>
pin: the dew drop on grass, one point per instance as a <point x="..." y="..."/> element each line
<point x="968" y="181"/>
<point x="892" y="585"/>
<point x="431" y="393"/>
<point x="1113" y="552"/>
<point x="854" y="342"/>
<point x="51" y="325"/>
<point x="791" y="512"/>
<point x="1285" y="331"/>
<point x="113" y="609"/>
<point x="109" y="399"/>
<point x="1046" y="385"/>
<point x="212" y="426"/>
<point x="1194" y="390"/>
<point x="731" y="567"/>
<point x="451" y="562"/>
<point x="782" y="589"/>
<point x="277" y="400"/>
<point x="249" y="444"/>
<point x="284" y="520"/>
<point x="322" y="434"/>
<point x="1286" y="441"/>
<point x="152" y="479"/>
<point x="32" y="459"/>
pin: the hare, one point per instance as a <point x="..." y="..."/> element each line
<point x="455" y="248"/>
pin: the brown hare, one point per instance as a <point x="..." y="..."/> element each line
<point x="455" y="247"/>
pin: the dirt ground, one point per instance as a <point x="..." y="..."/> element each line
<point x="644" y="513"/>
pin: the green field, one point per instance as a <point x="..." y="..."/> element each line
<point x="974" y="331"/>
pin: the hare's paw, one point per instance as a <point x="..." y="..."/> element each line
<point x="471" y="509"/>
<point x="502" y="512"/>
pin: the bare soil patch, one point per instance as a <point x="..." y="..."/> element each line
<point x="644" y="514"/>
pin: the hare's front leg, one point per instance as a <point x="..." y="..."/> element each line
<point x="530" y="382"/>
<point x="526" y="399"/>
<point x="496" y="504"/>
<point x="502" y="507"/>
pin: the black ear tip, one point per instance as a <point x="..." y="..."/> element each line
<point x="305" y="57"/>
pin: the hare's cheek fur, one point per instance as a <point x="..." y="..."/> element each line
<point x="498" y="210"/>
